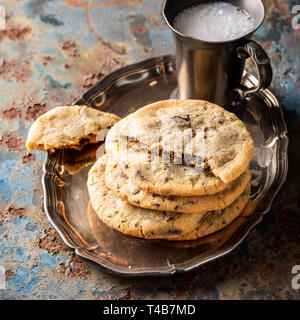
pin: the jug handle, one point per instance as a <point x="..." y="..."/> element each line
<point x="264" y="68"/>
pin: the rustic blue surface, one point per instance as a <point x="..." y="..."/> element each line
<point x="53" y="51"/>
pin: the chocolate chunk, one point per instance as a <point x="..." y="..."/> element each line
<point x="206" y="167"/>
<point x="171" y="218"/>
<point x="174" y="231"/>
<point x="123" y="175"/>
<point x="139" y="175"/>
<point x="84" y="141"/>
<point x="155" y="205"/>
<point x="135" y="192"/>
<point x="190" y="202"/>
<point x="182" y="121"/>
<point x="126" y="166"/>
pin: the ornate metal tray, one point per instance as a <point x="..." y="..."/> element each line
<point x="65" y="175"/>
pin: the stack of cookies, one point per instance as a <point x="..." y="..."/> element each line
<point x="175" y="170"/>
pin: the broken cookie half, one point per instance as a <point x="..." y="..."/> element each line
<point x="69" y="127"/>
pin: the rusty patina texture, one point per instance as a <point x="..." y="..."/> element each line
<point x="53" y="51"/>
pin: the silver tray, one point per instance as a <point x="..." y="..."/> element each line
<point x="66" y="197"/>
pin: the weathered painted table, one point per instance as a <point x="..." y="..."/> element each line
<point x="53" y="51"/>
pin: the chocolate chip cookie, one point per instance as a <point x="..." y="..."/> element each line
<point x="121" y="185"/>
<point x="151" y="224"/>
<point x="69" y="127"/>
